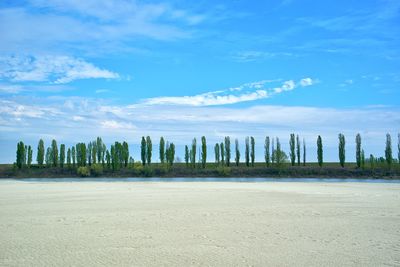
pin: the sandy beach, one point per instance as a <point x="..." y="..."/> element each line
<point x="199" y="224"/>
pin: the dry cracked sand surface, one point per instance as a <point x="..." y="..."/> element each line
<point x="199" y="223"/>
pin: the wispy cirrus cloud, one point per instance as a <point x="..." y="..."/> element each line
<point x="52" y="69"/>
<point x="244" y="93"/>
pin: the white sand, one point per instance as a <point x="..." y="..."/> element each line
<point x="199" y="223"/>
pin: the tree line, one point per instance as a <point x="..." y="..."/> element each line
<point x="117" y="156"/>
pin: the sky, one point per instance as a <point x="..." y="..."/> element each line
<point x="73" y="70"/>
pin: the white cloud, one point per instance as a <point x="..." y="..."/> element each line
<point x="54" y="69"/>
<point x="306" y="82"/>
<point x="224" y="97"/>
<point x="251" y="55"/>
<point x="117" y="125"/>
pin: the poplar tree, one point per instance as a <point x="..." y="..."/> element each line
<point x="48" y="157"/>
<point x="247" y="151"/>
<point x="304" y="152"/>
<point x="342" y="151"/>
<point x="40" y="153"/>
<point x="108" y="159"/>
<point x="203" y="151"/>
<point x="298" y="149"/>
<point x="170" y="153"/>
<point x="69" y="158"/>
<point x="292" y="144"/>
<point x="187" y="156"/>
<point x="358" y="150"/>
<point x="20" y="155"/>
<point x="143" y="150"/>
<point x="398" y="148"/>
<point x="29" y="160"/>
<point x="362" y="159"/>
<point x="216" y="153"/>
<point x="319" y="151"/>
<point x="278" y="152"/>
<point x="62" y="155"/>
<point x="73" y="154"/>
<point x="100" y="152"/>
<point x="125" y="153"/>
<point x="227" y="150"/>
<point x="89" y="153"/>
<point x="388" y="150"/>
<point x="237" y="152"/>
<point x="193" y="153"/>
<point x="222" y="153"/>
<point x="94" y="152"/>
<point x="54" y="153"/>
<point x="149" y="150"/>
<point x="252" y="152"/>
<point x="162" y="150"/>
<point x="273" y="151"/>
<point x="266" y="151"/>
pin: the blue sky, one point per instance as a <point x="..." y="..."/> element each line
<point x="72" y="70"/>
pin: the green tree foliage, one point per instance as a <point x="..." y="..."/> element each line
<point x="162" y="151"/>
<point x="273" y="151"/>
<point x="342" y="151"/>
<point x="320" y="151"/>
<point x="292" y="144"/>
<point x="252" y="152"/>
<point x="170" y="153"/>
<point x="203" y="151"/>
<point x="187" y="155"/>
<point x="69" y="158"/>
<point x="94" y="152"/>
<point x="40" y="153"/>
<point x="30" y="154"/>
<point x="114" y="161"/>
<point x="398" y="148"/>
<point x="54" y="153"/>
<point x="237" y="152"/>
<point x="81" y="154"/>
<point x="227" y="150"/>
<point x="100" y="150"/>
<point x="89" y="151"/>
<point x="142" y="150"/>
<point x="388" y="150"/>
<point x="48" y="157"/>
<point x="222" y="153"/>
<point x="362" y="159"/>
<point x="267" y="154"/>
<point x="371" y="161"/>
<point x="304" y="152"/>
<point x="125" y="153"/>
<point x="62" y="155"/>
<point x="216" y="153"/>
<point x="298" y="150"/>
<point x="358" y="150"/>
<point x="193" y="153"/>
<point x="278" y="153"/>
<point x="108" y="159"/>
<point x="149" y="149"/>
<point x="247" y="151"/>
<point x="21" y="155"/>
<point x="73" y="155"/>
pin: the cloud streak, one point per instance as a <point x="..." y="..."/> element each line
<point x="244" y="93"/>
<point x="53" y="69"/>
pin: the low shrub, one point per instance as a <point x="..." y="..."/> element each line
<point x="96" y="170"/>
<point x="83" y="171"/>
